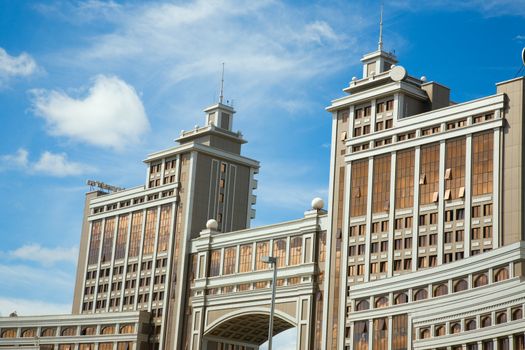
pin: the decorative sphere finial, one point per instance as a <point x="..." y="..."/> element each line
<point x="423" y="78"/>
<point x="317" y="203"/>
<point x="212" y="224"/>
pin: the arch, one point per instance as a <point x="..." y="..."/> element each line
<point x="28" y="333"/>
<point x="127" y="329"/>
<point x="424" y="333"/>
<point x="88" y="330"/>
<point x="8" y="333"/>
<point x="401" y="298"/>
<point x="439" y="331"/>
<point x="440" y="290"/>
<point x="517" y="314"/>
<point x="501" y="274"/>
<point x="455" y="328"/>
<point x="381" y="302"/>
<point x="362" y="305"/>
<point x="470" y="325"/>
<point x="420" y="294"/>
<point x="68" y="331"/>
<point x="108" y="330"/>
<point x="460" y="285"/>
<point x="480" y="280"/>
<point x="486" y="321"/>
<point x="48" y="332"/>
<point x="501" y="317"/>
<point x="249" y="325"/>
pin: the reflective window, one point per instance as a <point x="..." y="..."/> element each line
<point x="149" y="232"/>
<point x="429" y="174"/>
<point x="245" y="258"/>
<point x="94" y="245"/>
<point x="107" y="243"/>
<point x="164" y="228"/>
<point x="296" y="245"/>
<point x="230" y="255"/>
<point x="455" y="169"/>
<point x="361" y="335"/>
<point x="380" y="334"/>
<point x="279" y="251"/>
<point x="215" y="262"/>
<point x="136" y="232"/>
<point x="359" y="187"/>
<point x="482" y="163"/>
<point x="381" y="188"/>
<point x="261" y="249"/>
<point x="122" y="235"/>
<point x="405" y="179"/>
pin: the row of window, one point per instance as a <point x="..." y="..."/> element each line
<point x="67" y="331"/>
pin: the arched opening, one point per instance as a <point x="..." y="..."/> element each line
<point x="421" y="294"/>
<point x="8" y="333"/>
<point x="401" y="298"/>
<point x="455" y="328"/>
<point x="48" y="332"/>
<point x="381" y="302"/>
<point x="480" y="280"/>
<point x="68" y="331"/>
<point x="460" y="286"/>
<point x="439" y="331"/>
<point x="517" y="314"/>
<point x="28" y="333"/>
<point x="440" y="290"/>
<point x="501" y="317"/>
<point x="247" y="328"/>
<point x="470" y="325"/>
<point x="362" y="305"/>
<point x="501" y="275"/>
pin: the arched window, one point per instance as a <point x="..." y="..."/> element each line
<point x="89" y="330"/>
<point x="501" y="317"/>
<point x="127" y="329"/>
<point x="501" y="275"/>
<point x="381" y="302"/>
<point x="421" y="294"/>
<point x="455" y="328"/>
<point x="440" y="290"/>
<point x="460" y="286"/>
<point x="28" y="333"/>
<point x="424" y="333"/>
<point x="401" y="298"/>
<point x="470" y="325"/>
<point x="68" y="331"/>
<point x="48" y="332"/>
<point x="439" y="331"/>
<point x="517" y="314"/>
<point x="480" y="280"/>
<point x="9" y="333"/>
<point x="108" y="330"/>
<point x="485" y="321"/>
<point x="362" y="305"/>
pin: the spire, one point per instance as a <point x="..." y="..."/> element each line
<point x="221" y="97"/>
<point x="380" y="43"/>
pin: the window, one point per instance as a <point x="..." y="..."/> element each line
<point x="279" y="251"/>
<point x="476" y="212"/>
<point x="380" y="341"/>
<point x="408" y="243"/>
<point x="501" y="317"/>
<point x="381" y="188"/>
<point x="296" y="250"/>
<point x="262" y="249"/>
<point x="517" y="314"/>
<point x="398" y="244"/>
<point x="88" y="330"/>
<point x="448" y="237"/>
<point x="501" y="275"/>
<point x="486" y="321"/>
<point x="108" y="330"/>
<point x="405" y="179"/>
<point x="359" y="187"/>
<point x="432" y="239"/>
<point x="94" y="246"/>
<point x="470" y="325"/>
<point x="360" y="341"/>
<point x="362" y="305"/>
<point x="455" y="165"/>
<point x="68" y="331"/>
<point x="480" y="280"/>
<point x="366" y="129"/>
<point x="424" y="333"/>
<point x="149" y="232"/>
<point x="482" y="163"/>
<point x="433" y="218"/>
<point x="429" y="173"/>
<point x="422" y="241"/>
<point x="136" y="232"/>
<point x="380" y="107"/>
<point x="127" y="329"/>
<point x="476" y="233"/>
<point x="48" y="332"/>
<point x="381" y="302"/>
<point x="455" y="328"/>
<point x="230" y="255"/>
<point x="389" y="105"/>
<point x="28" y="333"/>
<point x="164" y="228"/>
<point x="439" y="331"/>
<point x="245" y="258"/>
<point x="420" y="294"/>
<point x="487" y="209"/>
<point x="401" y="298"/>
<point x="487" y="232"/>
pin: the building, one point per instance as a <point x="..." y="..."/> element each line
<point x="422" y="245"/>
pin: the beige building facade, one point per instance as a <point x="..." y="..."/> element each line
<point x="421" y="245"/>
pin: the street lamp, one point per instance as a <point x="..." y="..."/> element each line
<point x="273" y="261"/>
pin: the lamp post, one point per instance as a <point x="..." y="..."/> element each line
<point x="273" y="261"/>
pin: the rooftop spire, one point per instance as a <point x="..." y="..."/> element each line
<point x="221" y="97"/>
<point x="380" y="43"/>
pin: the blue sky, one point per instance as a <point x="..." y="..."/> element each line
<point x="88" y="88"/>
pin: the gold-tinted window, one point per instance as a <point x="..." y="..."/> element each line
<point x="94" y="245"/>
<point x="261" y="249"/>
<point x="340" y="197"/>
<point x="429" y="175"/>
<point x="136" y="232"/>
<point x="482" y="163"/>
<point x="165" y="228"/>
<point x="359" y="187"/>
<point x="230" y="255"/>
<point x="149" y="233"/>
<point x="399" y="332"/>
<point x="107" y="244"/>
<point x="296" y="248"/>
<point x="361" y="335"/>
<point x="122" y="233"/>
<point x="215" y="262"/>
<point x="405" y="179"/>
<point x="380" y="334"/>
<point x="279" y="251"/>
<point x="245" y="258"/>
<point x="455" y="168"/>
<point x="381" y="187"/>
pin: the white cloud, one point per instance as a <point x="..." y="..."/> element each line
<point x="110" y="115"/>
<point x="53" y="164"/>
<point x="22" y="65"/>
<point x="31" y="307"/>
<point x="43" y="255"/>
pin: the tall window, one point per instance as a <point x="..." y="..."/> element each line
<point x="359" y="187"/>
<point x="405" y="179"/>
<point x="165" y="228"/>
<point x="94" y="245"/>
<point x="399" y="332"/>
<point x="482" y="163"/>
<point x="380" y="334"/>
<point x="429" y="175"/>
<point x="296" y="245"/>
<point x="279" y="251"/>
<point x="261" y="249"/>
<point x="215" y="262"/>
<point x="107" y="244"/>
<point x="381" y="188"/>
<point x="122" y="235"/>
<point x="361" y="335"/>
<point x="245" y="258"/>
<point x="149" y="232"/>
<point x="136" y="232"/>
<point x="229" y="260"/>
<point x="455" y="169"/>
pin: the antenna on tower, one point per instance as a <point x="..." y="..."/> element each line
<point x="380" y="43"/>
<point x="221" y="97"/>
